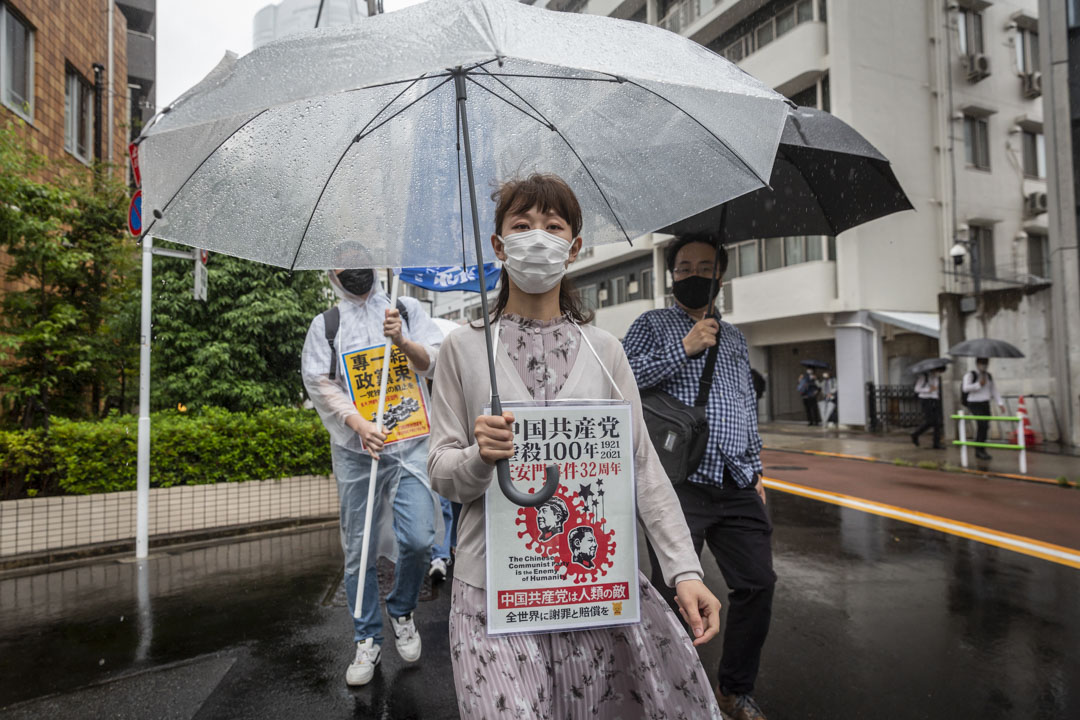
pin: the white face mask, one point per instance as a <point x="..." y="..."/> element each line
<point x="536" y="260"/>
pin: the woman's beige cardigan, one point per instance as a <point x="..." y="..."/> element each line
<point x="461" y="393"/>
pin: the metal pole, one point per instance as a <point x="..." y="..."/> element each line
<point x="963" y="439"/>
<point x="502" y="467"/>
<point x="1022" y="441"/>
<point x="142" y="488"/>
<point x="365" y="548"/>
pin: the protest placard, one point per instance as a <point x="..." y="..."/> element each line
<point x="572" y="562"/>
<point x="406" y="413"/>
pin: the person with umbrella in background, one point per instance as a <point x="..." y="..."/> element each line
<point x="828" y="395"/>
<point x="928" y="388"/>
<point x="809" y="390"/>
<point x="978" y="389"/>
<point x="723" y="499"/>
<point x="363" y="318"/>
<point x="606" y="672"/>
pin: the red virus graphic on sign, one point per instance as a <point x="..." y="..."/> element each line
<point x="565" y="530"/>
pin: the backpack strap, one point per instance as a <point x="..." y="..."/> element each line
<point x="404" y="313"/>
<point x="332" y="319"/>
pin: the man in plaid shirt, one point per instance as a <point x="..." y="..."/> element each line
<point x="723" y="500"/>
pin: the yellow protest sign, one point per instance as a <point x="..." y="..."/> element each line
<point x="406" y="414"/>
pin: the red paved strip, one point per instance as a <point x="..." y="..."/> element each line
<point x="1041" y="512"/>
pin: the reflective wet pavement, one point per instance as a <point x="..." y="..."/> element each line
<point x="873" y="618"/>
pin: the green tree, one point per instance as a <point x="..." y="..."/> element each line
<point x="240" y="350"/>
<point x="67" y="276"/>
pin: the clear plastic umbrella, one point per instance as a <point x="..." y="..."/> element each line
<point x="384" y="132"/>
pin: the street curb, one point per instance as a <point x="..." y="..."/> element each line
<point x="871" y="459"/>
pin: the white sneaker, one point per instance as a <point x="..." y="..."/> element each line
<point x="362" y="668"/>
<point x="437" y="572"/>
<point x="406" y="638"/>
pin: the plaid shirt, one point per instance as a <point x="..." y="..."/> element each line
<point x="654" y="346"/>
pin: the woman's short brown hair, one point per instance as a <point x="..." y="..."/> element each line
<point x="550" y="193"/>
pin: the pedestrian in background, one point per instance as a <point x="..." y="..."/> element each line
<point x="723" y="500"/>
<point x="828" y="395"/>
<point x="809" y="390"/>
<point x="928" y="388"/>
<point x="978" y="389"/>
<point x="365" y="318"/>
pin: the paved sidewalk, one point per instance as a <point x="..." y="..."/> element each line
<point x="1042" y="466"/>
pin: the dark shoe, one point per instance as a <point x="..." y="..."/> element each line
<point x="982" y="454"/>
<point x="915" y="439"/>
<point x="738" y="707"/>
<point x="939" y="446"/>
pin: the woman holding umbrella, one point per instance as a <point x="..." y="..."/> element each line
<point x="627" y="671"/>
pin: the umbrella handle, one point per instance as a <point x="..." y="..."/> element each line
<point x="502" y="469"/>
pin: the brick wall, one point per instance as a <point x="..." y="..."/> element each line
<point x="75" y="33"/>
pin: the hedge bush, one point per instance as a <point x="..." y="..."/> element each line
<point x="205" y="446"/>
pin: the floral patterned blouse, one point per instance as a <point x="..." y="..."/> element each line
<point x="542" y="351"/>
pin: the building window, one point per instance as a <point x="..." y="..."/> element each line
<point x="617" y="291"/>
<point x="1074" y="13"/>
<point x="977" y="142"/>
<point x="1034" y="154"/>
<point x="982" y="239"/>
<point x="1039" y="255"/>
<point x="832" y="248"/>
<point x="588" y="297"/>
<point x="813" y="248"/>
<point x="969" y="25"/>
<point x="16" y="63"/>
<point x="774" y="253"/>
<point x="78" y="117"/>
<point x="1027" y="50"/>
<point x="804" y="11"/>
<point x="764" y="34"/>
<point x="645" y="289"/>
<point x="748" y="262"/>
<point x="785" y="21"/>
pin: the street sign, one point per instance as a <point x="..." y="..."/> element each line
<point x="201" y="256"/>
<point x="135" y="214"/>
<point x="133" y="151"/>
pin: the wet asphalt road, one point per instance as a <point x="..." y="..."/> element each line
<point x="873" y="619"/>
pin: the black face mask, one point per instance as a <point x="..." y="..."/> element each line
<point x="693" y="292"/>
<point x="357" y="282"/>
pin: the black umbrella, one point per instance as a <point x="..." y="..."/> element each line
<point x="985" y="348"/>
<point x="928" y="365"/>
<point x="826" y="179"/>
<point x="814" y="363"/>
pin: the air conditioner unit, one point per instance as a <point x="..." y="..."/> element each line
<point x="1036" y="203"/>
<point x="977" y="66"/>
<point x="1032" y="84"/>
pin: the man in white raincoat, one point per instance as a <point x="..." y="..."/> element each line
<point x="403" y="500"/>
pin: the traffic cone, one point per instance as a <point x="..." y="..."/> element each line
<point x="1030" y="438"/>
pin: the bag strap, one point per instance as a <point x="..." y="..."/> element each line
<point x="403" y="312"/>
<point x="706" y="382"/>
<point x="332" y="318"/>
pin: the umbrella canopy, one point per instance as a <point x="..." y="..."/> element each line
<point x="928" y="365"/>
<point x="827" y="179"/>
<point x="985" y="347"/>
<point x="353" y="133"/>
<point x="814" y="363"/>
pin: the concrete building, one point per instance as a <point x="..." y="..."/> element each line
<point x="292" y="16"/>
<point x="1060" y="26"/>
<point x="950" y="92"/>
<point x="141" y="16"/>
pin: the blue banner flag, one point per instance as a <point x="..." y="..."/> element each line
<point x="443" y="279"/>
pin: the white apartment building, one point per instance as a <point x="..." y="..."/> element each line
<point x="293" y="16"/>
<point x="949" y="91"/>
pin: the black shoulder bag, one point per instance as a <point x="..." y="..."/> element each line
<point x="680" y="432"/>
